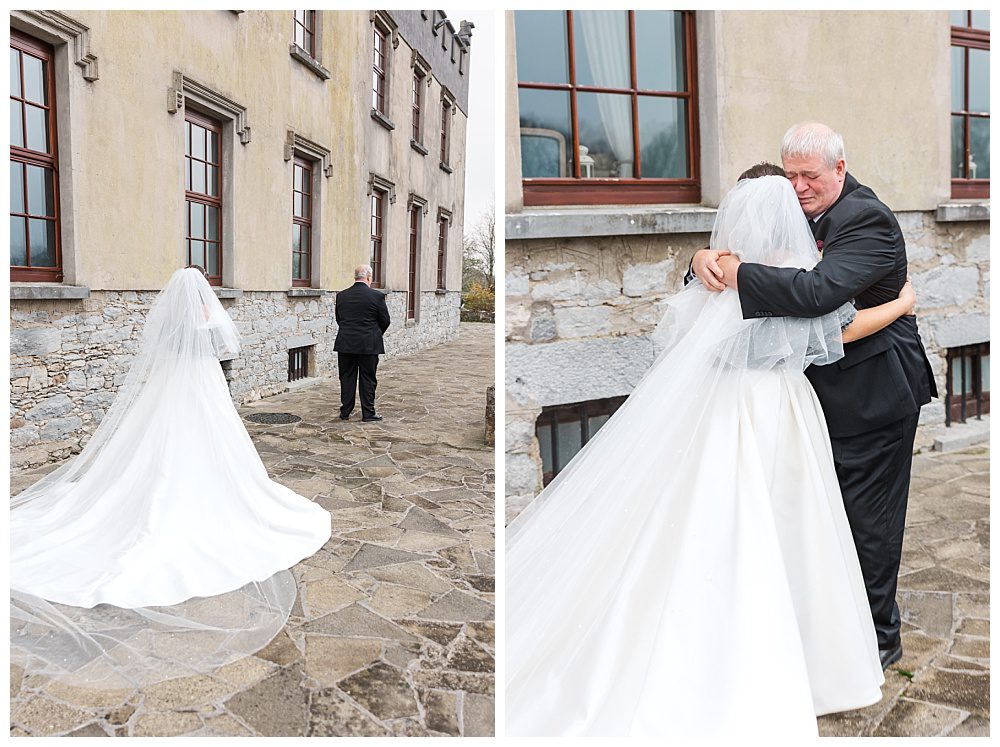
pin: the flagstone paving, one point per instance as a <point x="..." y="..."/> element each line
<point x="393" y="633"/>
<point x="941" y="686"/>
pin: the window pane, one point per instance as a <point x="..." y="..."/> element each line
<point x="187" y="138"/>
<point x="296" y="266"/>
<point x="212" y="213"/>
<point x="212" y="180"/>
<point x="979" y="148"/>
<point x="43" y="242"/>
<point x="663" y="137"/>
<point x="542" y="55"/>
<point x="34" y="79"/>
<point x="16" y="128"/>
<point x="296" y="237"/>
<point x="568" y="442"/>
<point x="979" y="80"/>
<point x="600" y="38"/>
<point x="544" y="433"/>
<point x="981" y="19"/>
<point x="986" y="373"/>
<point x="958" y="79"/>
<point x="297" y="204"/>
<point x="37" y="129"/>
<point x="16" y="187"/>
<point x="659" y="54"/>
<point x="212" y="139"/>
<point x="306" y="206"/>
<point x="198" y="141"/>
<point x="15" y="73"/>
<point x="212" y="251"/>
<point x="958" y="147"/>
<point x="958" y="17"/>
<point x="605" y="122"/>
<point x="197" y="253"/>
<point x="18" y="253"/>
<point x="197" y="228"/>
<point x="197" y="176"/>
<point x="40" y="198"/>
<point x="595" y="422"/>
<point x="300" y="36"/>
<point x="546" y="134"/>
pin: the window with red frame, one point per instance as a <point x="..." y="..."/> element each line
<point x="608" y="106"/>
<point x="411" y="285"/>
<point x="35" y="252"/>
<point x="970" y="103"/>
<point x="378" y="228"/>
<point x="445" y="130"/>
<point x="442" y="251"/>
<point x="302" y="212"/>
<point x="379" y="71"/>
<point x="203" y="193"/>
<point x="418" y="83"/>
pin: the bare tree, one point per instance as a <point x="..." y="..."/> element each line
<point x="479" y="251"/>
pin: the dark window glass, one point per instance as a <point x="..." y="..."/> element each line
<point x="563" y="430"/>
<point x="203" y="192"/>
<point x="442" y="259"/>
<point x="967" y="391"/>
<point x="304" y="29"/>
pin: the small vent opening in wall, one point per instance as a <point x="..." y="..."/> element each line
<point x="298" y="363"/>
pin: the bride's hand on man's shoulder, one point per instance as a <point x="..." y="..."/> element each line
<point x="909" y="296"/>
<point x="705" y="266"/>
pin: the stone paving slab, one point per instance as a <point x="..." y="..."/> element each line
<point x="393" y="633"/>
<point x="941" y="686"/>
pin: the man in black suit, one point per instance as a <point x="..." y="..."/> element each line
<point x="362" y="318"/>
<point x="872" y="396"/>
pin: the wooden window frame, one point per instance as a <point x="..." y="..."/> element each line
<point x="298" y="363"/>
<point x="446" y="107"/>
<point x="416" y="101"/>
<point x="412" y="262"/>
<point x="444" y="222"/>
<point x="570" y="413"/>
<point x="379" y="199"/>
<point x="48" y="161"/>
<point x="958" y="406"/>
<point x="966" y="38"/>
<point x="191" y="197"/>
<point x="308" y="31"/>
<point x="304" y="222"/>
<point x="380" y="73"/>
<point x="637" y="190"/>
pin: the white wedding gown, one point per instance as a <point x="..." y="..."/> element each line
<point x="692" y="571"/>
<point x="162" y="550"/>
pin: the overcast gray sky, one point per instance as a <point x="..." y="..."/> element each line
<point x="480" y="145"/>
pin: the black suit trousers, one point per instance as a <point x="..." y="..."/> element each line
<point x="874" y="473"/>
<point x="354" y="367"/>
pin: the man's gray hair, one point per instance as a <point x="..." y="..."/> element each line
<point x="812" y="138"/>
<point x="362" y="271"/>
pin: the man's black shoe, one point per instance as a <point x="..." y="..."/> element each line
<point x="890" y="655"/>
<point x="345" y="417"/>
<point x="372" y="419"/>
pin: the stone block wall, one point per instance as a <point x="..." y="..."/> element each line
<point x="579" y="312"/>
<point x="68" y="358"/>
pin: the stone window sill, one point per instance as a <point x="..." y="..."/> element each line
<point x="419" y="147"/>
<point x="47" y="292"/>
<point x="446" y="168"/>
<point x="554" y="223"/>
<point x="383" y="120"/>
<point x="441" y="291"/>
<point x="963" y="210"/>
<point x="411" y="323"/>
<point x="298" y="53"/>
<point x="227" y="292"/>
<point x="303" y="292"/>
<point x="293" y="385"/>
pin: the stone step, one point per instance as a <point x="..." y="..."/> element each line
<point x="960" y="435"/>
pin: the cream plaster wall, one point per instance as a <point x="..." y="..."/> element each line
<point x="880" y="78"/>
<point x="127" y="156"/>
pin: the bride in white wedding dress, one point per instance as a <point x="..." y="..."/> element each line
<point x="692" y="571"/>
<point x="162" y="549"/>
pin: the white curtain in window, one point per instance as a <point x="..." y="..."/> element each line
<point x="608" y="52"/>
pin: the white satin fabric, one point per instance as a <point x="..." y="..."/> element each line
<point x="692" y="571"/>
<point x="162" y="550"/>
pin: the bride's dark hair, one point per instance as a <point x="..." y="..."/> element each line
<point x="764" y="168"/>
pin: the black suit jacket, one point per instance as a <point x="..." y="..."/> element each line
<point x="362" y="317"/>
<point x="881" y="378"/>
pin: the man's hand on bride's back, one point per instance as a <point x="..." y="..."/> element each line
<point x="705" y="266"/>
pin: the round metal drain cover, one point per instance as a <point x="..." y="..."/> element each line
<point x="274" y="418"/>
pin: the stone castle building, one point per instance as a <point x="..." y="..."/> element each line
<point x="625" y="129"/>
<point x="277" y="149"/>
